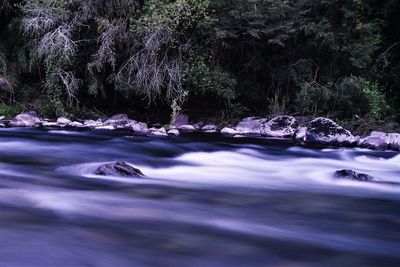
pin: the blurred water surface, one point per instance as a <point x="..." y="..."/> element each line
<point x="205" y="201"/>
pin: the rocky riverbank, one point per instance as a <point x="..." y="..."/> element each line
<point x="320" y="131"/>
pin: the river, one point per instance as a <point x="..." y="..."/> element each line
<point x="205" y="201"/>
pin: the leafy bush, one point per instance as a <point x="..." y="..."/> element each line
<point x="353" y="96"/>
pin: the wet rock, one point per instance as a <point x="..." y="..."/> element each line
<point x="281" y="126"/>
<point x="209" y="128"/>
<point x="355" y="176"/>
<point x="92" y="123"/>
<point x="251" y="125"/>
<point x="104" y="127"/>
<point x="181" y="119"/>
<point x="173" y="132"/>
<point x="118" y="120"/>
<point x="229" y="131"/>
<point x="187" y="128"/>
<point x="76" y="124"/>
<point x="29" y="119"/>
<point x="300" y="135"/>
<point x="158" y="132"/>
<point x="381" y="141"/>
<point x="326" y="131"/>
<point x="63" y="121"/>
<point x="139" y="127"/>
<point x="118" y="168"/>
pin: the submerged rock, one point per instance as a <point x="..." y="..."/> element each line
<point x="326" y="131"/>
<point x="355" y="176"/>
<point x="119" y="168"/>
<point x="29" y="119"/>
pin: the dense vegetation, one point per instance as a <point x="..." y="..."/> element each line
<point x="221" y="59"/>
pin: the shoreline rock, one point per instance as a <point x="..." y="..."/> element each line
<point x="319" y="131"/>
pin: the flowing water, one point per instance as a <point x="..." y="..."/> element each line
<point x="205" y="201"/>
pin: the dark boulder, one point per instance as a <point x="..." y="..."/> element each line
<point x="118" y="168"/>
<point x="355" y="176"/>
<point x="326" y="131"/>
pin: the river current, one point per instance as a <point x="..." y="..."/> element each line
<point x="205" y="201"/>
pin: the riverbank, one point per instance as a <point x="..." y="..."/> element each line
<point x="319" y="131"/>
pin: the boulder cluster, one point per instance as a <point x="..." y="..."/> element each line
<point x="320" y="131"/>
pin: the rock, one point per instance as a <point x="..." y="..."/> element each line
<point x="118" y="168"/>
<point x="209" y="128"/>
<point x="198" y="125"/>
<point x="174" y="132"/>
<point x="187" y="128"/>
<point x="229" y="131"/>
<point x="352" y="175"/>
<point x="139" y="127"/>
<point x="76" y="124"/>
<point x="104" y="127"/>
<point x="118" y="120"/>
<point x="158" y="132"/>
<point x="63" y="121"/>
<point x="251" y="125"/>
<point x="328" y="132"/>
<point x="381" y="141"/>
<point x="25" y="120"/>
<point x="181" y="119"/>
<point x="300" y="135"/>
<point x="92" y="123"/>
<point x="281" y="126"/>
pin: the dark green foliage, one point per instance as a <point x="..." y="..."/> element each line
<point x="224" y="58"/>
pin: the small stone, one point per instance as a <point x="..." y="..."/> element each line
<point x="104" y="127"/>
<point x="229" y="131"/>
<point x="75" y="124"/>
<point x="209" y="127"/>
<point x="187" y="128"/>
<point x="174" y="132"/>
<point x="63" y="121"/>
